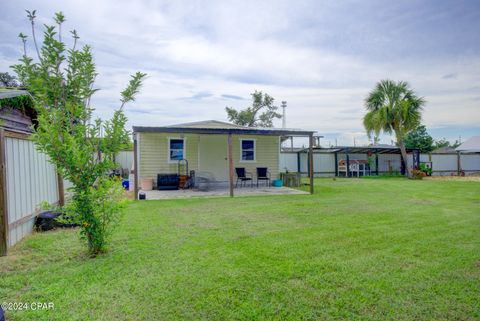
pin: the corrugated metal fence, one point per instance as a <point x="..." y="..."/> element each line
<point x="31" y="179"/>
<point x="324" y="162"/>
<point x="27" y="179"/>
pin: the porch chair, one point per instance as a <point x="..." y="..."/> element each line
<point x="243" y="176"/>
<point x="263" y="175"/>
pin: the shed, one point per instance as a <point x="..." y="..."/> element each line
<point x="209" y="146"/>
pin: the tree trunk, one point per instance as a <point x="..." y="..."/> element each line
<point x="403" y="150"/>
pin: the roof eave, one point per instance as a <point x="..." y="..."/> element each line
<point x="242" y="131"/>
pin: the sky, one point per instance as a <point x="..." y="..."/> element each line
<point x="322" y="57"/>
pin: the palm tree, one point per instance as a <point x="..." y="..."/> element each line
<point x="394" y="108"/>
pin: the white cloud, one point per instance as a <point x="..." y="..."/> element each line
<point x="278" y="47"/>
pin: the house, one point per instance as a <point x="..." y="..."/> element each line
<point x="471" y="145"/>
<point x="209" y="146"/>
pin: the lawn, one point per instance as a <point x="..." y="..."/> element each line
<point x="358" y="249"/>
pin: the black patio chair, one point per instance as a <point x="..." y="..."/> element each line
<point x="263" y="175"/>
<point x="243" y="176"/>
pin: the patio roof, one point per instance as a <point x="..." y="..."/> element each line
<point x="472" y="145"/>
<point x="380" y="149"/>
<point x="219" y="127"/>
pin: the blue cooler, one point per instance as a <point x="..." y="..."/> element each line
<point x="126" y="184"/>
<point x="277" y="183"/>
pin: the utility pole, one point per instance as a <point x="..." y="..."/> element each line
<point x="284" y="119"/>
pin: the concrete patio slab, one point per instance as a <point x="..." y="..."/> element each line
<point x="221" y="192"/>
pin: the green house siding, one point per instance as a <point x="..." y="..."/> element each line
<point x="267" y="153"/>
<point x="153" y="153"/>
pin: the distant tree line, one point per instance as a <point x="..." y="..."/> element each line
<point x="420" y="139"/>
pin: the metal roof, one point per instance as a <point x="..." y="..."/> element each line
<point x="381" y="149"/>
<point x="471" y="145"/>
<point x="10" y="93"/>
<point x="219" y="127"/>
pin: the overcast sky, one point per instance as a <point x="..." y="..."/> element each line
<point x="322" y="57"/>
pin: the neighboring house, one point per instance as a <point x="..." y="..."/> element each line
<point x="471" y="145"/>
<point x="444" y="150"/>
<point x="204" y="145"/>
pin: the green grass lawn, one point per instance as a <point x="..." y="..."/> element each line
<point x="391" y="249"/>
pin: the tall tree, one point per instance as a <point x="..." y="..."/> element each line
<point x="443" y="142"/>
<point x="7" y="80"/>
<point x="251" y="116"/>
<point x="393" y="108"/>
<point x="62" y="83"/>
<point x="420" y="139"/>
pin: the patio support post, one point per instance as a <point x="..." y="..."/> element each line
<point x="135" y="165"/>
<point x="230" y="163"/>
<point x="376" y="162"/>
<point x="299" y="167"/>
<point x="310" y="165"/>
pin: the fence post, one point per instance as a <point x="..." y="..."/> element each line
<point x="459" y="166"/>
<point x="310" y="162"/>
<point x="3" y="197"/>
<point x="61" y="190"/>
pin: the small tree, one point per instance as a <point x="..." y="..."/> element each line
<point x="394" y="108"/>
<point x="62" y="84"/>
<point x="419" y="139"/>
<point x="249" y="117"/>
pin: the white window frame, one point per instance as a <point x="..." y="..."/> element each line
<point x="254" y="150"/>
<point x="174" y="161"/>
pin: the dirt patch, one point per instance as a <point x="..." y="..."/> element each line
<point x="454" y="178"/>
<point x="423" y="202"/>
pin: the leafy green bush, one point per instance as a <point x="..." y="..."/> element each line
<point x="104" y="203"/>
<point x="427" y="170"/>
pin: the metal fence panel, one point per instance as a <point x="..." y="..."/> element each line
<point x="31" y="179"/>
<point x="125" y="159"/>
<point x="288" y="161"/>
<point x="470" y="162"/>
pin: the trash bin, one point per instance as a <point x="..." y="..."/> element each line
<point x="126" y="184"/>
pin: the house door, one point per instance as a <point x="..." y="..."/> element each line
<point x="213" y="156"/>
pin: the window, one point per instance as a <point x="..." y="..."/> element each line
<point x="176" y="149"/>
<point x="247" y="150"/>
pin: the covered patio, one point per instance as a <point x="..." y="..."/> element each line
<point x="171" y="157"/>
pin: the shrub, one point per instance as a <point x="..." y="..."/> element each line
<point x="418" y="174"/>
<point x="427" y="170"/>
